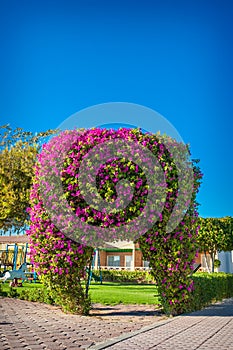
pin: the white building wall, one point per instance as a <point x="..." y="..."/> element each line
<point x="226" y="259"/>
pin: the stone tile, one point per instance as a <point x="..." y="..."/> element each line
<point x="31" y="326"/>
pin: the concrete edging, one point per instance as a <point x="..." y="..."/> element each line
<point x="113" y="341"/>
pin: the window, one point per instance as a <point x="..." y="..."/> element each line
<point x="146" y="263"/>
<point x="128" y="260"/>
<point x="113" y="260"/>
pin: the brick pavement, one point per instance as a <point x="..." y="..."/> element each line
<point x="208" y="329"/>
<point x="26" y="325"/>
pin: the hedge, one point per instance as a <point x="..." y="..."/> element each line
<point x="39" y="294"/>
<point x="126" y="276"/>
<point x="209" y="288"/>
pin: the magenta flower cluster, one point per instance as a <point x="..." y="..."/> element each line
<point x="62" y="258"/>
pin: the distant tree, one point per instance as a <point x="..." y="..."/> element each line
<point x="18" y="151"/>
<point x="215" y="235"/>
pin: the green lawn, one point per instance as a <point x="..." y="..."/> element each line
<point x="26" y="285"/>
<point x="109" y="293"/>
<point x="117" y="293"/>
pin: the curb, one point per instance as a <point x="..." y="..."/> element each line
<point x="113" y="341"/>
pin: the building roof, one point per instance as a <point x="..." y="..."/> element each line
<point x="119" y="245"/>
<point x="25" y="239"/>
<point x="14" y="239"/>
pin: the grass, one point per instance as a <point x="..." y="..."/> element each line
<point x="5" y="288"/>
<point x="26" y="285"/>
<point x="123" y="293"/>
<point x="108" y="293"/>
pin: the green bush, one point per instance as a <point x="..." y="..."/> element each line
<point x="13" y="293"/>
<point x="217" y="263"/>
<point x="2" y="293"/>
<point x="122" y="276"/>
<point x="36" y="294"/>
<point x="39" y="294"/>
<point x="210" y="288"/>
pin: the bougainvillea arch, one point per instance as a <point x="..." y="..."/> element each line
<point x="62" y="261"/>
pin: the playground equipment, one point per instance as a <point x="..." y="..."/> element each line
<point x="15" y="274"/>
<point x="13" y="256"/>
<point x="91" y="274"/>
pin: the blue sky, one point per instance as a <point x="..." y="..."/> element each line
<point x="58" y="57"/>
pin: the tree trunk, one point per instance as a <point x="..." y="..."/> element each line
<point x="206" y="262"/>
<point x="213" y="254"/>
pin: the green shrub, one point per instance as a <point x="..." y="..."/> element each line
<point x="2" y="292"/>
<point x="210" y="288"/>
<point x="36" y="294"/>
<point x="13" y="293"/>
<point x="217" y="263"/>
<point x="128" y="276"/>
<point x="39" y="294"/>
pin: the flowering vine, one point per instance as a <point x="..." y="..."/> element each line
<point x="62" y="259"/>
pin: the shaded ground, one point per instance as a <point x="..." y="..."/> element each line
<point x="143" y="314"/>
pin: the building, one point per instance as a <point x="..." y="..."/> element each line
<point x="121" y="255"/>
<point x="226" y="259"/>
<point x="11" y="240"/>
<point x="118" y="255"/>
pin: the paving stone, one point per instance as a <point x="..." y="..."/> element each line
<point x="32" y="326"/>
<point x="35" y="347"/>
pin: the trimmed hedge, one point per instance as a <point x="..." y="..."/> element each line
<point x="209" y="288"/>
<point x="126" y="276"/>
<point x="39" y="294"/>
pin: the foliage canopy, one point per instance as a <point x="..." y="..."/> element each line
<point x="18" y="151"/>
<point x="215" y="234"/>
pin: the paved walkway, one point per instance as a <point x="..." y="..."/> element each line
<point x="210" y="329"/>
<point x="26" y="325"/>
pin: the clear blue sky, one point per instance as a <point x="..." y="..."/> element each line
<point x="176" y="57"/>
